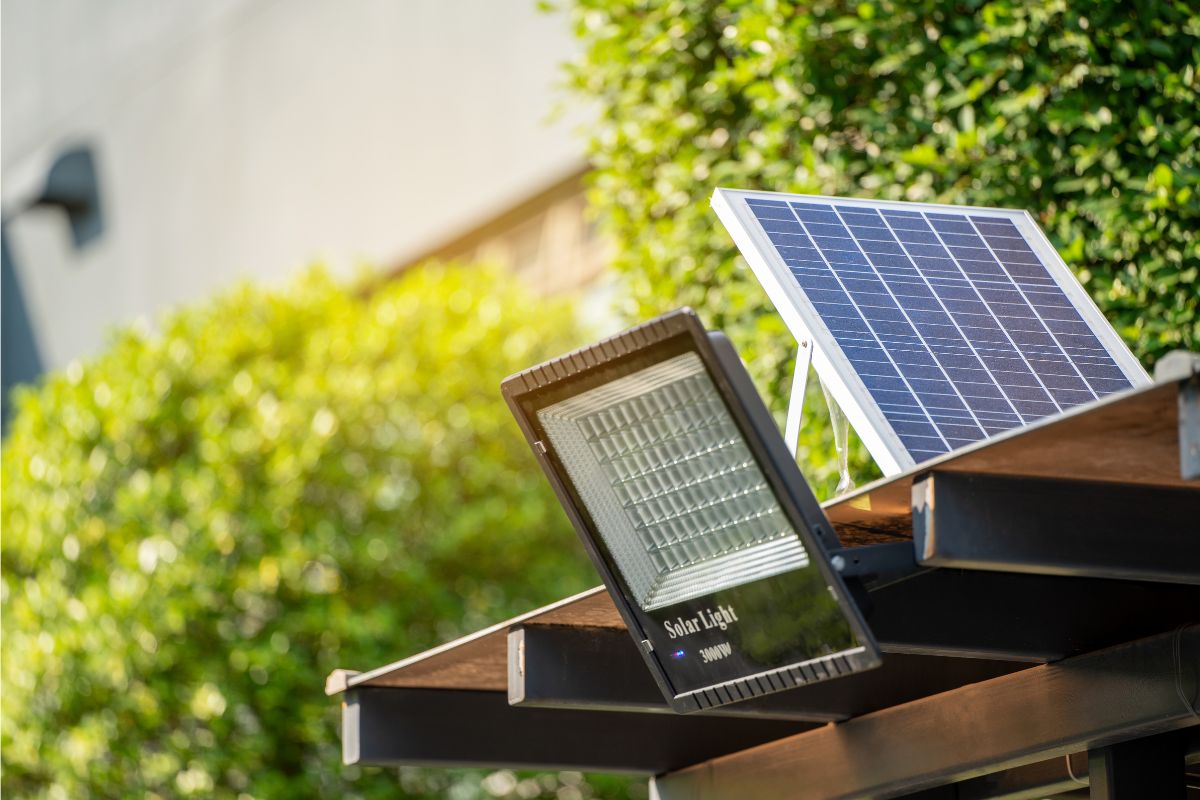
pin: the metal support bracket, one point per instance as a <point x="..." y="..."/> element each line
<point x="791" y="433"/>
<point x="1189" y="428"/>
<point x="411" y="726"/>
<point x="1184" y="367"/>
<point x="893" y="559"/>
<point x="1057" y="527"/>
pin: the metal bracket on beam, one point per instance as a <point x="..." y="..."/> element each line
<point x="894" y="559"/>
<point x="1184" y="367"/>
<point x="1020" y="617"/>
<point x="1056" y="527"/>
<point x="1189" y="428"/>
<point x="392" y="726"/>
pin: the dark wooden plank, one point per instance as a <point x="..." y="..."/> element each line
<point x="477" y="661"/>
<point x="1130" y="438"/>
<point x="446" y="727"/>
<point x="940" y="612"/>
<point x="1057" y="527"/>
<point x="1101" y="698"/>
<point x="600" y="668"/>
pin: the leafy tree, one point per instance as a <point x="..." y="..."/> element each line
<point x="203" y="521"/>
<point x="1085" y="113"/>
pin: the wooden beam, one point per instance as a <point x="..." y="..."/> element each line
<point x="1101" y="698"/>
<point x="476" y="661"/>
<point x="1132" y="437"/>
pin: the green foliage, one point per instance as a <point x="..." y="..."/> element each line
<point x="1084" y="113"/>
<point x="201" y="523"/>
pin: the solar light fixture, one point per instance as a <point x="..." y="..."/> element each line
<point x="709" y="540"/>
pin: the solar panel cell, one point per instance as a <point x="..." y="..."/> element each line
<point x="952" y="226"/>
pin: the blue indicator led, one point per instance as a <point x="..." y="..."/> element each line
<point x="678" y="654"/>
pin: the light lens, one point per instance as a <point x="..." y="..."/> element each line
<point x="671" y="485"/>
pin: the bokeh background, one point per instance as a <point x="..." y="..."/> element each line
<point x="265" y="264"/>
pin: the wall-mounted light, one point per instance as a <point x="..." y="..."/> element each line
<point x="71" y="185"/>
<point x="712" y="545"/>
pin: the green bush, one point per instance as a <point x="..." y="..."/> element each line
<point x="1085" y="113"/>
<point x="204" y="521"/>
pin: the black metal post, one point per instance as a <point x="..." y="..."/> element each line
<point x="1140" y="768"/>
<point x="1057" y="527"/>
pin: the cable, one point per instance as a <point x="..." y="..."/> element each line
<point x="1071" y="772"/>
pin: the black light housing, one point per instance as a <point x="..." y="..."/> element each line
<point x="712" y="545"/>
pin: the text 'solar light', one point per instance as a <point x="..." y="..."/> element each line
<point x="708" y="538"/>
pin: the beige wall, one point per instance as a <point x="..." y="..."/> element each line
<point x="249" y="137"/>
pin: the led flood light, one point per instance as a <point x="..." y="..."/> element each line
<point x="708" y="538"/>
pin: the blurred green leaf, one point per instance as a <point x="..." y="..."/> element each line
<point x="202" y="522"/>
<point x="1083" y="113"/>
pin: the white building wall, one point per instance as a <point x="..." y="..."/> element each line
<point x="251" y="137"/>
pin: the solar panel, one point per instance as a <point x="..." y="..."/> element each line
<point x="933" y="326"/>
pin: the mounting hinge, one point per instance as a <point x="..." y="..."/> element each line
<point x="891" y="559"/>
<point x="791" y="431"/>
